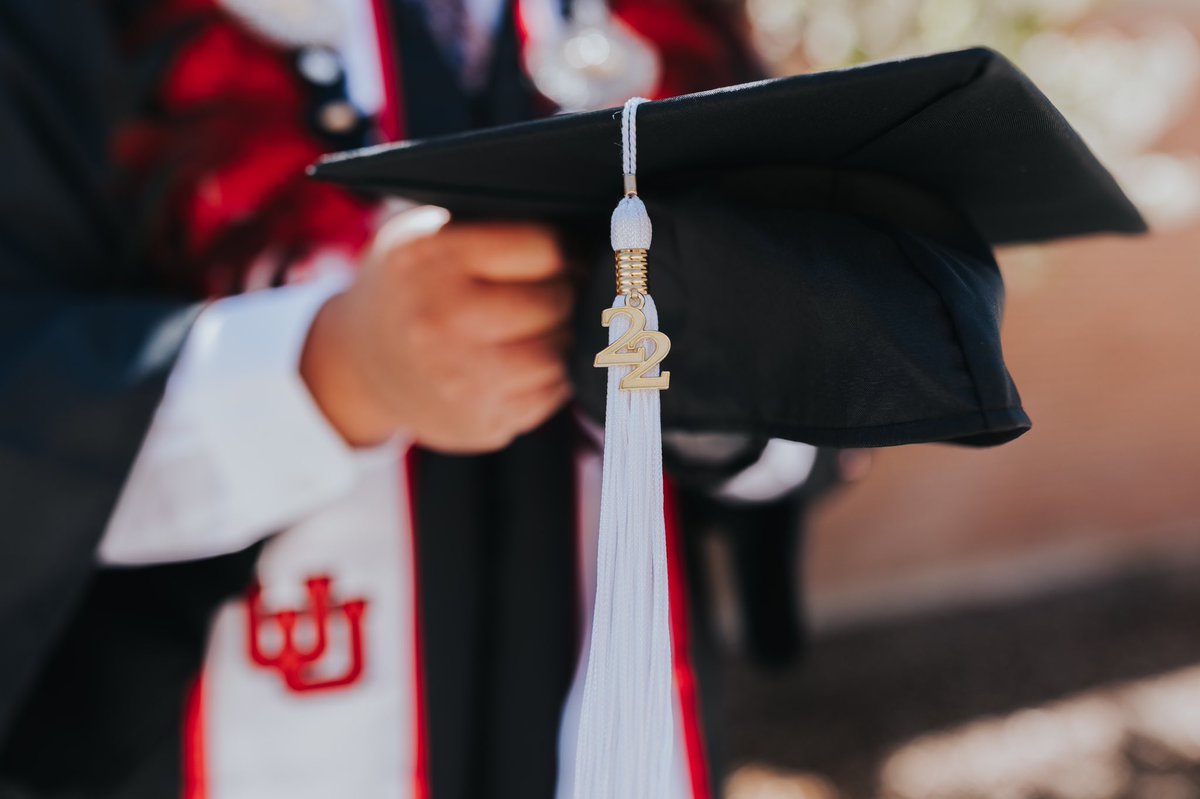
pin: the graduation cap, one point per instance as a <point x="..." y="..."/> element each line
<point x="822" y="264"/>
<point x="821" y="241"/>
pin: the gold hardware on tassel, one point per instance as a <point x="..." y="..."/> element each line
<point x="630" y="350"/>
<point x="631" y="225"/>
<point x="632" y="266"/>
<point x="632" y="274"/>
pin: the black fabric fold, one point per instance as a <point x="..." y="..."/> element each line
<point x="496" y="558"/>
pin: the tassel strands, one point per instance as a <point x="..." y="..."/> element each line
<point x="626" y="737"/>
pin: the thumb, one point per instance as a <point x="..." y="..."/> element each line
<point x="410" y="225"/>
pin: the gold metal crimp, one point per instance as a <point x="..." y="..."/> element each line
<point x="632" y="272"/>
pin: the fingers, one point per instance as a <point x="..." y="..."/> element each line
<point x="516" y="415"/>
<point x="528" y="384"/>
<point x="536" y="406"/>
<point x="460" y="330"/>
<point x="410" y="225"/>
<point x="531" y="364"/>
<point x="498" y="313"/>
<point x="506" y="252"/>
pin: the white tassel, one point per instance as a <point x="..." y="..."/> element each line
<point x="626" y="727"/>
<point x="630" y="228"/>
<point x="626" y="742"/>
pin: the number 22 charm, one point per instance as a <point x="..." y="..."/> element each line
<point x="631" y="350"/>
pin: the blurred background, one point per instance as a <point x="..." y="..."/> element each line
<point x="1024" y="622"/>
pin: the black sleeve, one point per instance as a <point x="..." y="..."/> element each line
<point x="85" y="354"/>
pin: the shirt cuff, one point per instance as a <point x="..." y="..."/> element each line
<point x="782" y="467"/>
<point x="238" y="448"/>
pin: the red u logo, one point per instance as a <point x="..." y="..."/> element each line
<point x="296" y="661"/>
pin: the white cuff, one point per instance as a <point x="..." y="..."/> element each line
<point x="238" y="448"/>
<point x="782" y="467"/>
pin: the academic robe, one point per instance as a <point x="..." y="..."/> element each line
<point x="98" y="662"/>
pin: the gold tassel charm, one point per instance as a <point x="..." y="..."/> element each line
<point x="637" y="347"/>
<point x="631" y="348"/>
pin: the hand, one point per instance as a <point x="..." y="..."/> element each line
<point x="454" y="333"/>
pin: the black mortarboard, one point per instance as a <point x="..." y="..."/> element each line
<point x="821" y="251"/>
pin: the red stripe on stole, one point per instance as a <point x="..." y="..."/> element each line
<point x="195" y="778"/>
<point x="420" y="776"/>
<point x="685" y="678"/>
<point x="391" y="125"/>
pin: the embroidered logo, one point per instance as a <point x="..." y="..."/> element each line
<point x="301" y="643"/>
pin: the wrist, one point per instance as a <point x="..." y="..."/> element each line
<point x="337" y="384"/>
